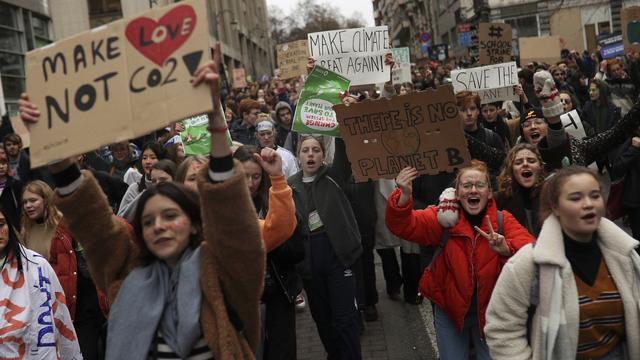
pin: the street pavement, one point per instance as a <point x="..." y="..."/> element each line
<point x="402" y="331"/>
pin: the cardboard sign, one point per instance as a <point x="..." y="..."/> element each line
<point x="239" y="78"/>
<point x="401" y="71"/>
<point x="292" y="59"/>
<point x="611" y="46"/>
<point x="544" y="49"/>
<point x="118" y="81"/>
<point x="573" y="125"/>
<point x="494" y="43"/>
<point x="314" y="112"/>
<point x="20" y="129"/>
<point x="421" y="129"/>
<point x="630" y="22"/>
<point x="499" y="94"/>
<point x="357" y="54"/>
<point x="485" y="77"/>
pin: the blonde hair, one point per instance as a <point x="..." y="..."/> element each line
<point x="51" y="217"/>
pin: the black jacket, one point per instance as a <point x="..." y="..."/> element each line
<point x="334" y="209"/>
<point x="585" y="151"/>
<point x="625" y="162"/>
<point x="515" y="205"/>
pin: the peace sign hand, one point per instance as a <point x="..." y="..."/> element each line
<point x="497" y="241"/>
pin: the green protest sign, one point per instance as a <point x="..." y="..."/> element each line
<point x="314" y="113"/>
<point x="196" y="139"/>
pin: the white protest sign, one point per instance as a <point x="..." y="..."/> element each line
<point x="573" y="125"/>
<point x="499" y="94"/>
<point x="401" y="71"/>
<point x="3" y="109"/>
<point x="485" y="77"/>
<point x="357" y="54"/>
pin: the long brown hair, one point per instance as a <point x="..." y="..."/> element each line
<point x="553" y="187"/>
<point x="51" y="216"/>
<point x="506" y="182"/>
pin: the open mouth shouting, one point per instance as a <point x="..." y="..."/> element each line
<point x="527" y="173"/>
<point x="535" y="135"/>
<point x="590" y="217"/>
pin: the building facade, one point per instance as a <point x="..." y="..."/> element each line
<point x="239" y="25"/>
<point x="577" y="22"/>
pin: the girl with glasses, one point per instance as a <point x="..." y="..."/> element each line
<point x="461" y="277"/>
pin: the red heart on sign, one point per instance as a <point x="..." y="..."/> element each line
<point x="157" y="40"/>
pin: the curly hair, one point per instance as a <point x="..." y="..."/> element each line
<point x="506" y="183"/>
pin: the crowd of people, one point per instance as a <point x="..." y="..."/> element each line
<point x="142" y="251"/>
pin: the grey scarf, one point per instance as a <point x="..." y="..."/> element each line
<point x="155" y="298"/>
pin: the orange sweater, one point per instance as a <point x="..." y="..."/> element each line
<point x="281" y="217"/>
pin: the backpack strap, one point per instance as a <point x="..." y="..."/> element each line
<point x="445" y="237"/>
<point x="443" y="241"/>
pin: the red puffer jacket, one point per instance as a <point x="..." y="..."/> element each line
<point x="62" y="258"/>
<point x="466" y="264"/>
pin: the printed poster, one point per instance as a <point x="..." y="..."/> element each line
<point x="314" y="112"/>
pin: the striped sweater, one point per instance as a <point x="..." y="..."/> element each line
<point x="601" y="315"/>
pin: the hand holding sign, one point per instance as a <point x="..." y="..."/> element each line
<point x="497" y="241"/>
<point x="208" y="74"/>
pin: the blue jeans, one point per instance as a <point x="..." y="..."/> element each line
<point x="454" y="344"/>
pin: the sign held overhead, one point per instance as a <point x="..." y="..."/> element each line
<point x="421" y="129"/>
<point x="357" y="54"/>
<point x="118" y="81"/>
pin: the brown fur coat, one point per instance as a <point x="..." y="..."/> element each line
<point x="233" y="256"/>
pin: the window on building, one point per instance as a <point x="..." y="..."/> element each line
<point x="20" y="31"/>
<point x="526" y="26"/>
<point x="604" y="28"/>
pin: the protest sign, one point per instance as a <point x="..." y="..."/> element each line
<point x="357" y="54"/>
<point x="498" y="94"/>
<point x="494" y="43"/>
<point x="544" y="49"/>
<point x="239" y="78"/>
<point x="630" y="21"/>
<point x="401" y="72"/>
<point x="3" y="109"/>
<point x="118" y="81"/>
<point x="611" y="46"/>
<point x="485" y="77"/>
<point x="292" y="59"/>
<point x="573" y="125"/>
<point x="314" y="113"/>
<point x="195" y="137"/>
<point x="464" y="39"/>
<point x="439" y="52"/>
<point x="420" y="129"/>
<point x="19" y="128"/>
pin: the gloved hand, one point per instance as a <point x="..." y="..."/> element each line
<point x="448" y="208"/>
<point x="548" y="94"/>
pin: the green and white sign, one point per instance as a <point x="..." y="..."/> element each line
<point x="196" y="139"/>
<point x="314" y="113"/>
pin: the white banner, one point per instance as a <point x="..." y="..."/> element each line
<point x="357" y="54"/>
<point x="485" y="77"/>
<point x="499" y="94"/>
<point x="573" y="125"/>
